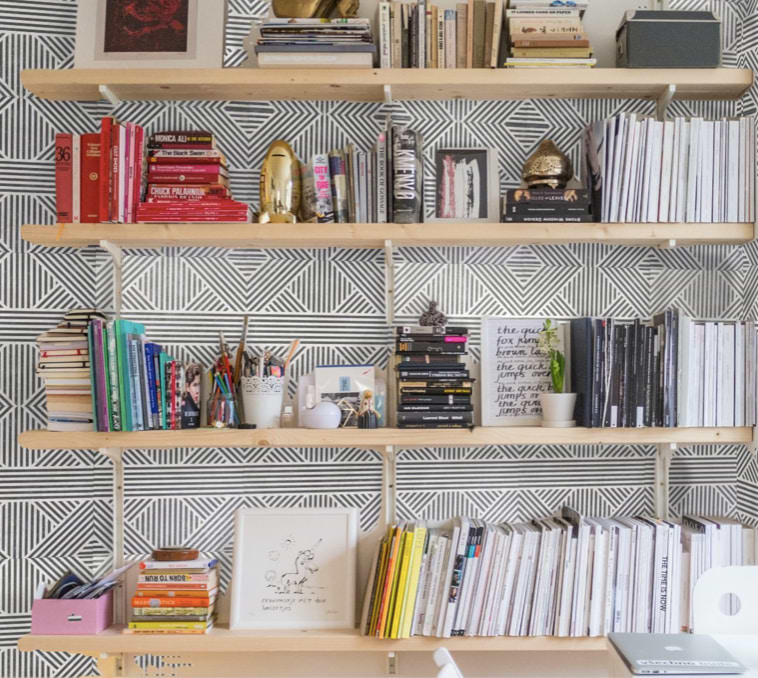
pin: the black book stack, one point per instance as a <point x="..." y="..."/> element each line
<point x="538" y="205"/>
<point x="434" y="387"/>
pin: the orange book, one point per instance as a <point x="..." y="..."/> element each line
<point x="150" y="601"/>
<point x="384" y="608"/>
<point x="143" y="592"/>
<point x="178" y="586"/>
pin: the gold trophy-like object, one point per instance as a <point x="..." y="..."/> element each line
<point x="280" y="185"/>
<point x="547" y="167"/>
<point x="314" y="9"/>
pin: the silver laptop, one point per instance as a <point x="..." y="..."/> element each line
<point x="673" y="654"/>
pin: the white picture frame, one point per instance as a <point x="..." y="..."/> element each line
<point x="294" y="568"/>
<point x="484" y="161"/>
<point x="197" y="31"/>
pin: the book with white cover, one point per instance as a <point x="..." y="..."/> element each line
<point x="736" y="180"/>
<point x="630" y="168"/>
<point x="622" y="166"/>
<point x="683" y="172"/>
<point x="641" y="168"/>
<point x="655" y="160"/>
<point x="424" y="582"/>
<point x="674" y="178"/>
<point x="315" y="59"/>
<point x="710" y="374"/>
<point x="667" y="161"/>
<point x="385" y="35"/>
<point x="511" y="578"/>
<point x="725" y="386"/>
<point x="453" y="580"/>
<point x="530" y="545"/>
<point x="563" y="622"/>
<point x="563" y="544"/>
<point x="718" y="128"/>
<point x="599" y="555"/>
<point x="579" y="598"/>
<point x="436" y="599"/>
<point x="633" y="576"/>
<point x="739" y="374"/>
<point x="693" y="168"/>
<point x="622" y="576"/>
<point x="697" y="375"/>
<point x="704" y="211"/>
<point x="496" y="567"/>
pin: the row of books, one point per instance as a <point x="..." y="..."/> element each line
<point x="675" y="371"/>
<point x="382" y="185"/>
<point x="569" y="576"/>
<point x="315" y="43"/>
<point x="680" y="170"/>
<point x="188" y="180"/>
<point x="547" y="37"/>
<point x="176" y="596"/>
<point x="537" y="205"/>
<point x="434" y="387"/>
<point x="99" y="176"/>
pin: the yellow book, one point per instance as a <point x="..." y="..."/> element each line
<point x="384" y="603"/>
<point x="552" y="52"/>
<point x="169" y="625"/>
<point x="400" y="592"/>
<point x="377" y="594"/>
<point x="409" y="611"/>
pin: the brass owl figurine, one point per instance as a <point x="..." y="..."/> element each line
<point x="314" y="9"/>
<point x="280" y="185"/>
<point x="547" y="167"/>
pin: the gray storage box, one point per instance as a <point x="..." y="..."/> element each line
<point x="662" y="39"/>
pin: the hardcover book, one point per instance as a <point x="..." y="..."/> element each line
<point x="407" y="184"/>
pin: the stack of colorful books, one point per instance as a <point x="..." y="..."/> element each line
<point x="64" y="366"/>
<point x="188" y="181"/>
<point x="434" y="388"/>
<point x="547" y="205"/>
<point x="541" y="35"/>
<point x="176" y="596"/>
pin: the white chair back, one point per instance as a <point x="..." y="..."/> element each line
<point x="448" y="667"/>
<point x="707" y="608"/>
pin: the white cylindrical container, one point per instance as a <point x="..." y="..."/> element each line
<point x="558" y="409"/>
<point x="262" y="400"/>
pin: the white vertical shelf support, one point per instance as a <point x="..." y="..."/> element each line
<point x="108" y="94"/>
<point x="664" y="454"/>
<point x="116" y="455"/>
<point x="118" y="261"/>
<point x="664" y="99"/>
<point x="389" y="282"/>
<point x="389" y="485"/>
<point x="669" y="244"/>
<point x="392" y="663"/>
<point x="753" y="447"/>
<point x="388" y="94"/>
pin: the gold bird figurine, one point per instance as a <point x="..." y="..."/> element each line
<point x="280" y="185"/>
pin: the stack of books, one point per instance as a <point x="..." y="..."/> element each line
<point x="175" y="596"/>
<point x="99" y="176"/>
<point x="418" y="34"/>
<point x="538" y="205"/>
<point x="542" y="36"/>
<point x="675" y="371"/>
<point x="64" y="365"/>
<point x="681" y="170"/>
<point x="315" y="43"/>
<point x="434" y="387"/>
<point x="382" y="185"/>
<point x="572" y="575"/>
<point x="188" y="180"/>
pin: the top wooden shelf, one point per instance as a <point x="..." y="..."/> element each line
<point x="239" y="84"/>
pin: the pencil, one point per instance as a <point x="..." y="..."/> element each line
<point x="293" y="348"/>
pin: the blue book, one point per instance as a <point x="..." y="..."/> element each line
<point x="150" y="352"/>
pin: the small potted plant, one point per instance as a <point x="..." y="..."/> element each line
<point x="557" y="407"/>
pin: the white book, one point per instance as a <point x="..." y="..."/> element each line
<point x="619" y="136"/>
<point x="736" y="180"/>
<point x="437" y="584"/>
<point x="76" y="179"/>
<point x="705" y="201"/>
<point x="580" y="594"/>
<point x="483" y="574"/>
<point x="421" y="34"/>
<point x="676" y="580"/>
<point x="598" y="579"/>
<point x="622" y="576"/>
<point x="697" y="374"/>
<point x="711" y="374"/>
<point x="494" y="582"/>
<point x="750" y="376"/>
<point x="509" y="582"/>
<point x="315" y="59"/>
<point x="683" y="172"/>
<point x="751" y="170"/>
<point x="667" y="170"/>
<point x="636" y="170"/>
<point x="385" y="34"/>
<point x="739" y="374"/>
<point x="381" y="178"/>
<point x="500" y="589"/>
<point x="439" y="33"/>
<point x="450" y="37"/>
<point x="674" y="178"/>
<point x="685" y="376"/>
<point x="609" y="586"/>
<point x="608" y="159"/>
<point x="531" y="544"/>
<point x="424" y="582"/>
<point x="643" y="584"/>
<point x="715" y="215"/>
<point x="544" y="579"/>
<point x="564" y="533"/>
<point x="456" y="551"/>
<point x="726" y="400"/>
<point x="693" y="168"/>
<point x="628" y="165"/>
<point x="633" y="573"/>
<point x="469" y="580"/>
<point x="660" y="576"/>
<point x="655" y="159"/>
<point x="563" y="622"/>
<point x="528" y="593"/>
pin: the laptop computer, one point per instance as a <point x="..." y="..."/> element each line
<point x="673" y="654"/>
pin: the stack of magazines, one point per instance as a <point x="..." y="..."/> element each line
<point x="315" y="43"/>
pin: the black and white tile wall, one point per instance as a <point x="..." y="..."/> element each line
<point x="55" y="506"/>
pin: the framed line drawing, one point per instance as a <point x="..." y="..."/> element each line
<point x="294" y="568"/>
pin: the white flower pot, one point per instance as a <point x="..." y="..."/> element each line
<point x="558" y="409"/>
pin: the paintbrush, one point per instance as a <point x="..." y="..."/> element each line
<point x="240" y="350"/>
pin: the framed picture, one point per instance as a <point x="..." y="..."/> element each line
<point x="150" y="34"/>
<point x="467" y="185"/>
<point x="294" y="569"/>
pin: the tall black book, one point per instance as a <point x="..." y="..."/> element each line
<point x="407" y="177"/>
<point x="582" y="369"/>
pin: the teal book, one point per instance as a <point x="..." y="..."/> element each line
<point x="163" y="359"/>
<point x="124" y="328"/>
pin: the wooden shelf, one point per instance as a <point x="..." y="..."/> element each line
<point x="236" y="84"/>
<point x="221" y="639"/>
<point x="379" y="438"/>
<point x="374" y="235"/>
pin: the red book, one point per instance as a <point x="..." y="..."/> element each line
<point x="188" y="169"/>
<point x="142" y="601"/>
<point x="195" y="160"/>
<point x="115" y="178"/>
<point x="187" y="179"/>
<point x="186" y="192"/>
<point x="139" y="166"/>
<point x="106" y="179"/>
<point x="64" y="178"/>
<point x="90" y="190"/>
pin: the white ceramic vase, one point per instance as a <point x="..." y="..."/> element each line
<point x="558" y="409"/>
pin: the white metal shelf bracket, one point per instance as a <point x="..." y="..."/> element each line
<point x="118" y="265"/>
<point x="664" y="99"/>
<point x="389" y="282"/>
<point x="388" y="94"/>
<point x="753" y="445"/>
<point x="389" y="485"/>
<point x="392" y="663"/>
<point x="116" y="455"/>
<point x="108" y="94"/>
<point x="664" y="454"/>
<point x="669" y="244"/>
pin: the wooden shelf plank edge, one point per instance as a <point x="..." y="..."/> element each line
<point x="380" y="438"/>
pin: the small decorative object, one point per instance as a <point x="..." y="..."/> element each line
<point x="262" y="399"/>
<point x="280" y="185"/>
<point x="343" y="385"/>
<point x="322" y="415"/>
<point x="368" y="417"/>
<point x="432" y="317"/>
<point x="294" y="568"/>
<point x="145" y="34"/>
<point x="547" y="167"/>
<point x="468" y="185"/>
<point x="314" y="9"/>
<point x="170" y="553"/>
<point x="557" y="407"/>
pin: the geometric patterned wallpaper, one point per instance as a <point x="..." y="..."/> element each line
<point x="55" y="505"/>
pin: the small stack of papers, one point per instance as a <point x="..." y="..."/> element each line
<point x="316" y="43"/>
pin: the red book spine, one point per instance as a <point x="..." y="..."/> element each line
<point x="195" y="160"/>
<point x="139" y="164"/>
<point x="178" y="191"/>
<point x="128" y="211"/>
<point x="181" y="147"/>
<point x="187" y="169"/>
<point x="90" y="196"/>
<point x="186" y="179"/>
<point x="64" y="178"/>
<point x="106" y="180"/>
<point x="115" y="135"/>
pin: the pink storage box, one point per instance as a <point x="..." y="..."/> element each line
<point x="72" y="617"/>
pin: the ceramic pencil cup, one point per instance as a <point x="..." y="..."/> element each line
<point x="262" y="399"/>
